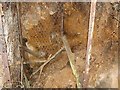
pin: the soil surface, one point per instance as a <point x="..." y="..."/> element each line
<point x="41" y="25"/>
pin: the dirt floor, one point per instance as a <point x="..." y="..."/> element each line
<point x="43" y="20"/>
<point x="41" y="24"/>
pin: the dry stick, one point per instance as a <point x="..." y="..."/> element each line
<point x="31" y="62"/>
<point x="27" y="83"/>
<point x="49" y="59"/>
<point x="70" y="55"/>
<point x="89" y="44"/>
<point x="21" y="49"/>
<point x="71" y="58"/>
<point x="36" y="54"/>
<point x="20" y="38"/>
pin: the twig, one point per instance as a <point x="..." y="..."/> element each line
<point x="36" y="54"/>
<point x="31" y="62"/>
<point x="41" y="68"/>
<point x="20" y="39"/>
<point x="71" y="58"/>
<point x="27" y="84"/>
<point x="70" y="55"/>
<point x="89" y="44"/>
<point x="49" y="59"/>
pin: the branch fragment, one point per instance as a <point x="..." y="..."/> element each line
<point x="89" y="44"/>
<point x="71" y="58"/>
<point x="48" y="60"/>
